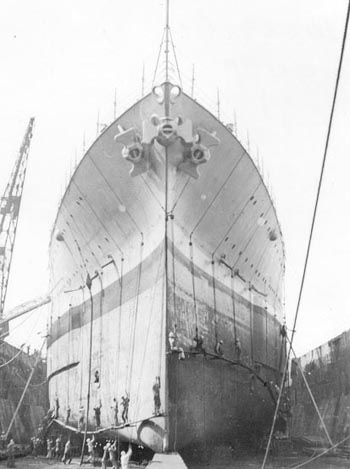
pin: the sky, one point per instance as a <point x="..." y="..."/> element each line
<point x="274" y="63"/>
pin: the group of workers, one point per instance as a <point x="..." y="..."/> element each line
<point x="199" y="346"/>
<point x="110" y="454"/>
<point x="60" y="451"/>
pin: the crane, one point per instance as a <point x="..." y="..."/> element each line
<point x="9" y="211"/>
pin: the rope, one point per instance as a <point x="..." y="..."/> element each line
<point x="250" y="239"/>
<point x="13" y="358"/>
<point x="134" y="326"/>
<point x="158" y="58"/>
<point x="144" y="355"/>
<point x="242" y="365"/>
<point x="101" y="321"/>
<point x="321" y="454"/>
<point x="311" y="395"/>
<point x="115" y="195"/>
<point x="152" y="192"/>
<point x="193" y="285"/>
<point x="176" y="62"/>
<point x="214" y="301"/>
<point x="89" y="285"/>
<point x="15" y="327"/>
<point x="24" y="390"/>
<point x="312" y="226"/>
<point x="99" y="219"/>
<point x="233" y="305"/>
<point x="69" y="345"/>
<point x="119" y="328"/>
<point x="173" y="262"/>
<point x="180" y="195"/>
<point x="237" y="218"/>
<point x="217" y="193"/>
<point x="251" y="322"/>
<point x="82" y="348"/>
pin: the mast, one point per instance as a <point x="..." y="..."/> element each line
<point x="167" y="28"/>
<point x="218" y="102"/>
<point x="192" y="84"/>
<point x="9" y="211"/>
<point x="166" y="225"/>
<point x="115" y="104"/>
<point x="143" y="81"/>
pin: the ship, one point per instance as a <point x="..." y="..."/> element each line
<point x="165" y="330"/>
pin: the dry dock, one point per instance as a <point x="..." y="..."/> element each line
<point x="243" y="463"/>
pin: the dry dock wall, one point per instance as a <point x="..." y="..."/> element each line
<point x="15" y="368"/>
<point x="327" y="369"/>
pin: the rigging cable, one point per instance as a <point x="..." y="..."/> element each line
<point x="311" y="230"/>
<point x="214" y="301"/>
<point x="152" y="192"/>
<point x="146" y="341"/>
<point x="176" y="62"/>
<point x="25" y="389"/>
<point x="134" y="325"/>
<point x="13" y="358"/>
<point x="310" y="394"/>
<point x="218" y="192"/>
<point x="89" y="286"/>
<point x="114" y="194"/>
<point x="193" y="284"/>
<point x="98" y="218"/>
<point x="180" y="195"/>
<point x="233" y="305"/>
<point x="16" y="326"/>
<point x="82" y="314"/>
<point x="158" y="58"/>
<point x="119" y="327"/>
<point x="237" y="217"/>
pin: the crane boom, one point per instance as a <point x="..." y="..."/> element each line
<point x="9" y="210"/>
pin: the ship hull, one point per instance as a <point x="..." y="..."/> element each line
<point x="148" y="263"/>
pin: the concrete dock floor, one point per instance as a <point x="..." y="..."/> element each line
<point x="29" y="462"/>
<point x="244" y="463"/>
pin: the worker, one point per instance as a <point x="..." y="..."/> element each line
<point x="199" y="340"/>
<point x="68" y="415"/>
<point x="97" y="411"/>
<point x="67" y="455"/>
<point x="33" y="441"/>
<point x="125" y="404"/>
<point x="58" y="448"/>
<point x="97" y="379"/>
<point x="90" y="443"/>
<point x="113" y="455"/>
<point x="104" y="460"/>
<point x="156" y="396"/>
<point x="115" y="412"/>
<point x="125" y="457"/>
<point x="49" y="445"/>
<point x="238" y="349"/>
<point x="56" y="407"/>
<point x="174" y="347"/>
<point x="2" y="441"/>
<point x="81" y="418"/>
<point x="171" y="340"/>
<point x="11" y="454"/>
<point x="219" y="349"/>
<point x="283" y="331"/>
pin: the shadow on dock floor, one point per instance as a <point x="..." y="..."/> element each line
<point x="277" y="463"/>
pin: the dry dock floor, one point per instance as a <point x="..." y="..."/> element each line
<point x="246" y="463"/>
